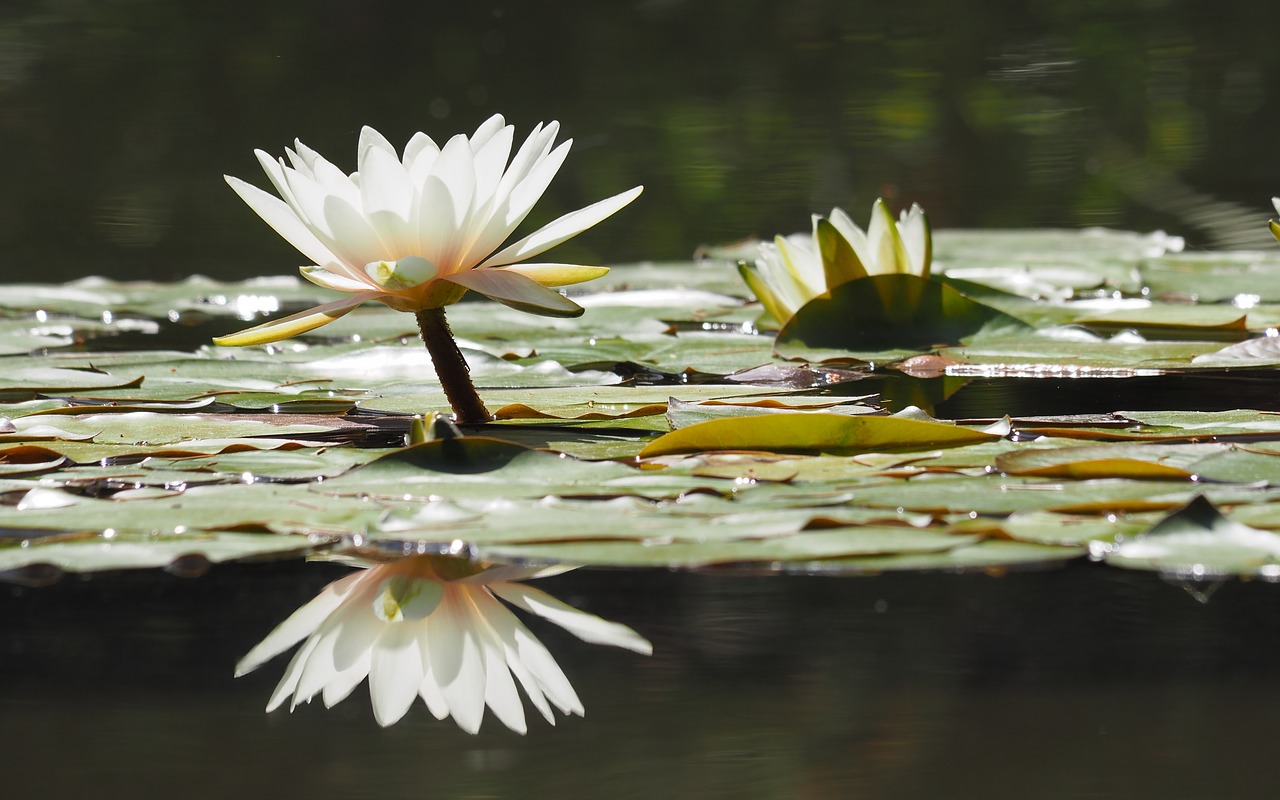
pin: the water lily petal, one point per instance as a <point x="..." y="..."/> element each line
<point x="387" y="198"/>
<point x="354" y="234"/>
<point x="319" y="669"/>
<point x="346" y="678"/>
<point x="370" y="138"/>
<point x="396" y="672"/>
<point x="333" y="280"/>
<point x="310" y="200"/>
<point x="556" y="274"/>
<point x="456" y="662"/>
<point x="434" y="214"/>
<point x="840" y="262"/>
<point x="282" y="218"/>
<point x="515" y="290"/>
<point x="292" y="673"/>
<point x="587" y="627"/>
<point x="299" y="625"/>
<point x="515" y="572"/>
<point x="301" y="156"/>
<point x="504" y="626"/>
<point x="406" y="273"/>
<point x="772" y="302"/>
<point x="429" y="690"/>
<point x="456" y="167"/>
<point x="538" y="661"/>
<point x="295" y="324"/>
<point x="853" y="234"/>
<point x="275" y="169"/>
<point x="508" y="210"/>
<point x="562" y="229"/>
<point x="776" y="269"/>
<point x="486" y="131"/>
<point x="534" y="149"/>
<point x="334" y="180"/>
<point x="419" y="154"/>
<point x="916" y="239"/>
<point x="500" y="693"/>
<point x="801" y="260"/>
<point x="887" y="252"/>
<point x="491" y="160"/>
<point x="345" y="638"/>
<point x="526" y="193"/>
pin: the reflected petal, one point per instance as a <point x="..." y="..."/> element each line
<point x="395" y="673"/>
<point x="456" y="663"/>
<point x="299" y="625"/>
<point x="587" y="627"/>
<point x="417" y="632"/>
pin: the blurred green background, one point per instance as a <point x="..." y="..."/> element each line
<point x="741" y="117"/>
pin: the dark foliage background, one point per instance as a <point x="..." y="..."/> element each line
<point x="741" y="117"/>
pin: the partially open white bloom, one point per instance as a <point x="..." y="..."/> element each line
<point x="417" y="229"/>
<point x="433" y="627"/>
<point x="790" y="271"/>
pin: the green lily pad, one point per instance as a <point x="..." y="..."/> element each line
<point x="883" y="312"/>
<point x="141" y="551"/>
<point x="810" y="546"/>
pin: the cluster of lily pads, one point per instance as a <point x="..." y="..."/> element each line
<point x="657" y="429"/>
<point x="644" y="422"/>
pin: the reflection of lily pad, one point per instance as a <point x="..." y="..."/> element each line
<point x="889" y="311"/>
<point x="1196" y="541"/>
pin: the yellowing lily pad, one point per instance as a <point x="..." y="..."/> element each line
<point x="814" y="433"/>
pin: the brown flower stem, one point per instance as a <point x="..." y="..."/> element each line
<point x="451" y="368"/>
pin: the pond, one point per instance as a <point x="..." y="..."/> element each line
<point x="1006" y="529"/>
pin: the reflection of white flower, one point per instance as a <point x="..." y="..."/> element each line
<point x="432" y="627"/>
<point x="417" y="230"/>
<point x="790" y="271"/>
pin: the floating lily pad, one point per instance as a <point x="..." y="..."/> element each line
<point x="773" y="487"/>
<point x="189" y="551"/>
<point x="884" y="312"/>
<point x="814" y="433"/>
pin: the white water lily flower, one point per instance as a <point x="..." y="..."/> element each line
<point x="1275" y="225"/>
<point x="790" y="271"/>
<point x="433" y="627"/>
<point x="416" y="230"/>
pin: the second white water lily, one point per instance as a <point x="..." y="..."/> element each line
<point x="790" y="271"/>
<point x="433" y="627"/>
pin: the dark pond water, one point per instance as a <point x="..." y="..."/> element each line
<point x="1072" y="683"/>
<point x="741" y="117"/>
